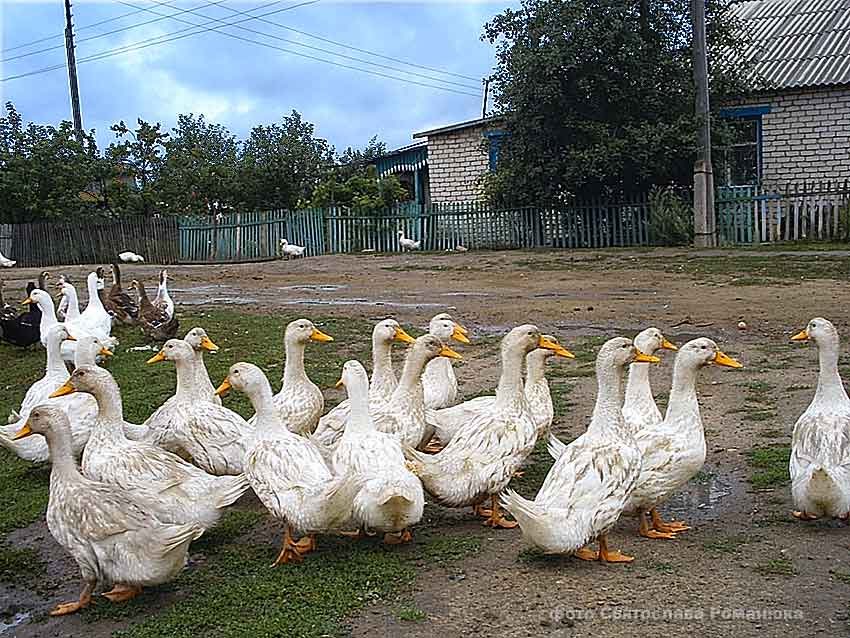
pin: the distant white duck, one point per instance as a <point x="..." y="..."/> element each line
<point x="5" y="262"/>
<point x="287" y="472"/>
<point x="291" y="250"/>
<point x="391" y="499"/>
<point x="129" y="257"/>
<point x="113" y="534"/>
<point x="163" y="299"/>
<point x="439" y="381"/>
<point x="407" y="244"/>
<point x="45" y="304"/>
<point x="820" y="445"/>
<point x="94" y="319"/>
<point x="69" y="306"/>
<point x="586" y="489"/>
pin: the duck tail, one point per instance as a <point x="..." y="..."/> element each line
<point x="342" y="490"/>
<point x="526" y="512"/>
<point x="422" y="465"/>
<point x="232" y="487"/>
<point x="180" y="535"/>
<point x="556" y="447"/>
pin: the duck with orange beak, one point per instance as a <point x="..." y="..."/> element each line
<point x="439" y="381"/>
<point x="300" y="402"/>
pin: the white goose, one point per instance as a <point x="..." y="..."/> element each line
<point x="438" y="380"/>
<point x="287" y="472"/>
<point x="407" y="244"/>
<point x="129" y="257"/>
<point x="112" y="533"/>
<point x="820" y="445"/>
<point x="381" y="387"/>
<point x="291" y="250"/>
<point x="183" y="493"/>
<point x="587" y="487"/>
<point x="391" y="499"/>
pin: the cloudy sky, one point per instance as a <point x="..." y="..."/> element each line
<point x="234" y="81"/>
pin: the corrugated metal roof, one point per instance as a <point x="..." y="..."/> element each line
<point x="797" y="43"/>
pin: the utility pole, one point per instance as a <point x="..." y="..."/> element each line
<point x="486" y="94"/>
<point x="704" y="221"/>
<point x="72" y="73"/>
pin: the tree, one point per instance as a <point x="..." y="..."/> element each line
<point x="136" y="162"/>
<point x="597" y="95"/>
<point x="45" y="171"/>
<point x="281" y="164"/>
<point x="200" y="170"/>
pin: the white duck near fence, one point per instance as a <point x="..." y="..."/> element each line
<point x="407" y="244"/>
<point x="5" y="262"/>
<point x="288" y="251"/>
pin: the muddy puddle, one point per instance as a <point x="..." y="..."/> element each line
<point x="706" y="496"/>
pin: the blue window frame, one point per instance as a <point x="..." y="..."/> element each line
<point x="495" y="138"/>
<point x="740" y="162"/>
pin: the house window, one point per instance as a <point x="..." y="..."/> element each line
<point x="495" y="138"/>
<point x="740" y="162"/>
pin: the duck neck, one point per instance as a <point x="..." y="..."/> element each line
<point x="262" y="399"/>
<point x="61" y="453"/>
<point x="94" y="294"/>
<point x="535" y="370"/>
<point x="144" y="302"/>
<point x="293" y="369"/>
<point x="383" y="375"/>
<point x="202" y="375"/>
<point x="84" y="354"/>
<point x="410" y="384"/>
<point x="73" y="303"/>
<point x="110" y="411"/>
<point x="830" y="387"/>
<point x="638" y="387"/>
<point x="48" y="316"/>
<point x="683" y="405"/>
<point x="359" y="419"/>
<point x="509" y="392"/>
<point x="55" y="365"/>
<point x="187" y="380"/>
<point x="610" y="382"/>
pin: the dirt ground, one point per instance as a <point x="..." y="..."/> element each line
<point x="745" y="569"/>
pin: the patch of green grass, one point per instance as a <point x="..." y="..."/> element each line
<point x="777" y="567"/>
<point x="409" y="613"/>
<point x="24" y="487"/>
<point x="840" y="576"/>
<point x="17" y="564"/>
<point x="726" y="544"/>
<point x="770" y="466"/>
<point x="535" y="470"/>
<point x="798" y="387"/>
<point x="703" y="478"/>
<point x="445" y="549"/>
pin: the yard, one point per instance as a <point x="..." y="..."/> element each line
<point x="747" y="568"/>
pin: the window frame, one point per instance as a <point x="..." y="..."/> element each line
<point x="751" y="113"/>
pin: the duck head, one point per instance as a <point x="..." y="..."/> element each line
<point x="302" y="331"/>
<point x="702" y="352"/>
<point x="243" y="377"/>
<point x="389" y="330"/>
<point x="821" y="331"/>
<point x="41" y="299"/>
<point x="44" y="420"/>
<point x="200" y="341"/>
<point x="430" y="347"/>
<point x="354" y="378"/>
<point x="651" y="340"/>
<point x="445" y="328"/>
<point x="173" y="350"/>
<point x="89" y="379"/>
<point x="527" y="337"/>
<point x="619" y="352"/>
<point x="541" y="355"/>
<point x="89" y="347"/>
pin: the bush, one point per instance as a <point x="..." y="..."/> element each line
<point x="671" y="218"/>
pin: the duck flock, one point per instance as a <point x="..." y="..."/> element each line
<point x="127" y="499"/>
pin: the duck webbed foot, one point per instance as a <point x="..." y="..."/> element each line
<point x="64" y="609"/>
<point x="289" y="550"/>
<point x="804" y="516"/>
<point x="398" y="538"/>
<point x="659" y="525"/>
<point x="122" y="593"/>
<point x="611" y="555"/>
<point x="496" y="519"/>
<point x="306" y="544"/>
<point x="650" y="532"/>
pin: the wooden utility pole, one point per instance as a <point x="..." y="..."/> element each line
<point x="704" y="224"/>
<point x="486" y="95"/>
<point x="72" y="73"/>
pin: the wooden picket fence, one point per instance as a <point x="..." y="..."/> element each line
<point x="44" y="244"/>
<point x="794" y="212"/>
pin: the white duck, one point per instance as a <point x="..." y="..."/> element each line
<point x="673" y="450"/>
<point x="291" y="250"/>
<point x="381" y="386"/>
<point x="45" y="304"/>
<point x="439" y="381"/>
<point x="189" y="422"/>
<point x="391" y="499"/>
<point x="639" y="409"/>
<point x="300" y="402"/>
<point x="449" y="420"/>
<point x="482" y="457"/>
<point x="80" y="408"/>
<point x="94" y="319"/>
<point x="201" y="343"/>
<point x="5" y="262"/>
<point x="112" y="533"/>
<point x="587" y="487"/>
<point x="407" y="244"/>
<point x="69" y="307"/>
<point x="820" y="445"/>
<point x="55" y="372"/>
<point x="287" y="472"/>
<point x="163" y="299"/>
<point x="183" y="492"/>
<point x="129" y="257"/>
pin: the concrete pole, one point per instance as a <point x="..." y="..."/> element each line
<point x="704" y="218"/>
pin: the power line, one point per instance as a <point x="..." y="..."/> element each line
<point x="307" y="46"/>
<point x="197" y="29"/>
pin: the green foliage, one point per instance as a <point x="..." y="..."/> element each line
<point x="770" y="466"/>
<point x="597" y="95"/>
<point x="671" y="218"/>
<point x="361" y="190"/>
<point x="17" y="564"/>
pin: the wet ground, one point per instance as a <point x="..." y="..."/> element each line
<point x="745" y="569"/>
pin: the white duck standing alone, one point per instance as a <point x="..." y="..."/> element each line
<point x="112" y="533"/>
<point x="673" y="450"/>
<point x="820" y="444"/>
<point x="300" y="402"/>
<point x="129" y="257"/>
<point x="287" y="472"/>
<point x="189" y="422"/>
<point x="391" y="499"/>
<point x="586" y="489"/>
<point x="407" y="244"/>
<point x="183" y="492"/>
<point x="381" y="386"/>
<point x="482" y="457"/>
<point x="449" y="420"/>
<point x="291" y="251"/>
<point x="439" y="381"/>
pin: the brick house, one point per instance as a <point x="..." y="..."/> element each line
<point x="447" y="165"/>
<point x="799" y="128"/>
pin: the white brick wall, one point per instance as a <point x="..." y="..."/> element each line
<point x="806" y="135"/>
<point x="456" y="161"/>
